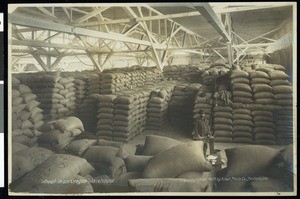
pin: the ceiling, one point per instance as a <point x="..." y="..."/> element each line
<point x="249" y="21"/>
<point x="247" y="24"/>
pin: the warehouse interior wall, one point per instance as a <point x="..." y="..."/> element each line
<point x="283" y="57"/>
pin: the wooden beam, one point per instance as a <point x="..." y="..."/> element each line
<point x="206" y="11"/>
<point x="100" y="18"/>
<point x="109" y="55"/>
<point x="58" y="59"/>
<point x="80" y="11"/>
<point x="156" y="57"/>
<point x="90" y="15"/>
<point x="27" y="29"/>
<point x="30" y="22"/>
<point x="229" y="26"/>
<point x="52" y="36"/>
<point x="131" y="28"/>
<point x="109" y="22"/>
<point x="219" y="55"/>
<point x="240" y="54"/>
<point x="96" y="63"/>
<point x="262" y="35"/>
<point x="182" y="27"/>
<point x="67" y="13"/>
<point x="230" y="54"/>
<point x="36" y="13"/>
<point x="46" y="12"/>
<point x="32" y="51"/>
<point x="36" y="43"/>
<point x="172" y="34"/>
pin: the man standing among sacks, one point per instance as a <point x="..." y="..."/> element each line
<point x="202" y="131"/>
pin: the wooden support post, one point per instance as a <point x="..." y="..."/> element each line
<point x="230" y="54"/>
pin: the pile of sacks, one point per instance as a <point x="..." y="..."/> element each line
<point x="222" y="114"/>
<point x="182" y="104"/>
<point x="215" y="71"/>
<point x="57" y="134"/>
<point x="262" y="91"/>
<point x="106" y="157"/>
<point x="112" y="82"/>
<point x="182" y="72"/>
<point x="38" y="170"/>
<point x="240" y="86"/>
<point x="105" y="116"/>
<point x="128" y="78"/>
<point x="204" y="102"/>
<point x="264" y="169"/>
<point x="25" y="159"/>
<point x="157" y="108"/>
<point x="106" y="164"/>
<point x="55" y="93"/>
<point x="80" y="88"/>
<point x="283" y="118"/>
<point x="242" y="125"/>
<point x="264" y="127"/>
<point x="160" y="166"/>
<point x="268" y="67"/>
<point x="26" y="114"/>
<point x="87" y="112"/>
<point x="152" y="75"/>
<point x="282" y="88"/>
<point x="94" y="84"/>
<point x="130" y="114"/>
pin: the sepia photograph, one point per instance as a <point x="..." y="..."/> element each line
<point x="184" y="99"/>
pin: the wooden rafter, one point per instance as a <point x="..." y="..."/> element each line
<point x="94" y="61"/>
<point x="90" y="15"/>
<point x="206" y="11"/>
<point x="67" y="13"/>
<point x="32" y="51"/>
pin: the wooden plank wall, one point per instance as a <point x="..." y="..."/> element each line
<point x="283" y="57"/>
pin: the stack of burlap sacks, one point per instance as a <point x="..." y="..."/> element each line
<point x="80" y="167"/>
<point x="87" y="112"/>
<point x="130" y="114"/>
<point x="106" y="157"/>
<point x="160" y="166"/>
<point x="55" y="93"/>
<point x="189" y="73"/>
<point x="283" y="117"/>
<point x="128" y="78"/>
<point x="222" y="114"/>
<point x="204" y="102"/>
<point x="242" y="115"/>
<point x="157" y="108"/>
<point x="112" y="82"/>
<point x="152" y="75"/>
<point x="268" y="170"/>
<point x="215" y="71"/>
<point x="80" y="84"/>
<point x="38" y="170"/>
<point x="26" y="114"/>
<point x="264" y="127"/>
<point x="57" y="134"/>
<point x="105" y="116"/>
<point x="81" y="89"/>
<point x="260" y="95"/>
<point x="122" y="115"/>
<point x="94" y="83"/>
<point x="182" y="104"/>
